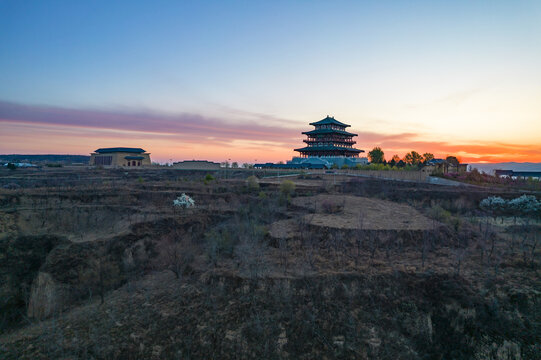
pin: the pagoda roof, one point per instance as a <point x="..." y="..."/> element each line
<point x="120" y="149"/>
<point x="329" y="121"/>
<point x="327" y="148"/>
<point x="328" y="131"/>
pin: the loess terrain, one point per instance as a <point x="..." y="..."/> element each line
<point x="99" y="264"/>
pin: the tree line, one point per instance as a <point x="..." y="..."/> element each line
<point x="413" y="158"/>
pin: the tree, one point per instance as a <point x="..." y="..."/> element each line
<point x="252" y="183"/>
<point x="101" y="275"/>
<point x="427" y="157"/>
<point x="287" y="187"/>
<point x="452" y="160"/>
<point x="376" y="155"/>
<point x="235" y="165"/>
<point x="178" y="259"/>
<point x="413" y="158"/>
<point x="394" y="160"/>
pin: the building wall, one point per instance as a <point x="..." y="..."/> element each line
<point x="117" y="159"/>
<point x="196" y="165"/>
<point x="393" y="174"/>
<point x="329" y="161"/>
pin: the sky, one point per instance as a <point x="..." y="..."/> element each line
<point x="240" y="80"/>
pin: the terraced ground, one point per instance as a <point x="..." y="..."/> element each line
<point x="338" y="268"/>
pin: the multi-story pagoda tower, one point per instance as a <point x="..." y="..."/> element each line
<point x="329" y="139"/>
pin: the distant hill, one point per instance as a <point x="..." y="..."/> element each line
<point x="36" y="159"/>
<point x="515" y="166"/>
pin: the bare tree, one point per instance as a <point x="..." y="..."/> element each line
<point x="460" y="255"/>
<point x="100" y="275"/>
<point x="359" y="238"/>
<point x="424" y="249"/>
<point x="283" y="249"/>
<point x="174" y="256"/>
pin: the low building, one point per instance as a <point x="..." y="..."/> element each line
<point x="518" y="174"/>
<point x="329" y="162"/>
<point x="290" y="165"/>
<point x="196" y="165"/>
<point x="120" y="157"/>
<point x="444" y="166"/>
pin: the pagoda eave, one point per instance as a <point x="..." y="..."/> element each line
<point x="328" y="148"/>
<point x="328" y="131"/>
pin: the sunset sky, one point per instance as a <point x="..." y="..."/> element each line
<point x="241" y="80"/>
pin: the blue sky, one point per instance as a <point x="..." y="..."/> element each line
<point x="468" y="69"/>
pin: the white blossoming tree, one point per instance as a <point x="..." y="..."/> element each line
<point x="525" y="205"/>
<point x="183" y="202"/>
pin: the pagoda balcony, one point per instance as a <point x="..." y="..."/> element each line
<point x="332" y="127"/>
<point x="330" y="137"/>
<point x="311" y="141"/>
<point x="333" y="144"/>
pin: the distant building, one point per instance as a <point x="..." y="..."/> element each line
<point x="443" y="166"/>
<point x="518" y="174"/>
<point x="196" y="165"/>
<point x="120" y="157"/>
<point x="21" y="165"/>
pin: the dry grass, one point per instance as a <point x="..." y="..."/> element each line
<point x="363" y="213"/>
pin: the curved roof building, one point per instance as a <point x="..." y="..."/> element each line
<point x="120" y="156"/>
<point x="329" y="139"/>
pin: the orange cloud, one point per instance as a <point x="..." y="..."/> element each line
<point x="249" y="138"/>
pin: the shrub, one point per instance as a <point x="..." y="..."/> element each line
<point x="208" y="178"/>
<point x="287" y="187"/>
<point x="440" y="214"/>
<point x="12" y="186"/>
<point x="252" y="183"/>
<point x="331" y="207"/>
<point x="11" y="166"/>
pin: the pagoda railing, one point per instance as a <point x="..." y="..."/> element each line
<point x="333" y="127"/>
<point x="330" y="141"/>
<point x="330" y="138"/>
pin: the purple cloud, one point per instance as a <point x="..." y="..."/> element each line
<point x="185" y="125"/>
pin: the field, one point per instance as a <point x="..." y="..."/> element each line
<point x="99" y="264"/>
